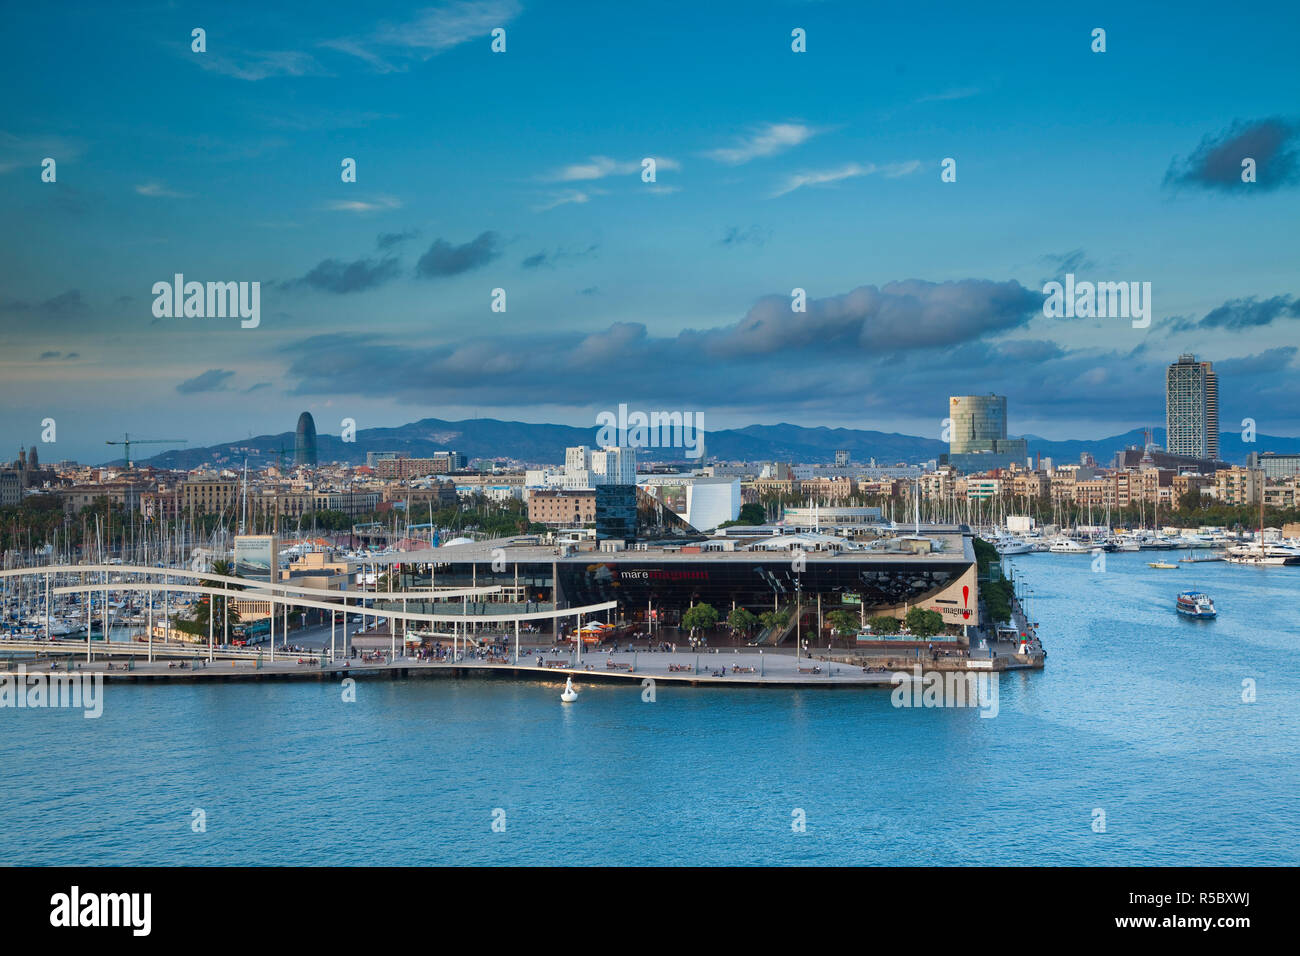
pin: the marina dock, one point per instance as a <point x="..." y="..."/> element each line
<point x="723" y="669"/>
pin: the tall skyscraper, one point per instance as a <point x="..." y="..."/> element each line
<point x="977" y="438"/>
<point x="978" y="423"/>
<point x="1192" y="408"/>
<point x="304" y="441"/>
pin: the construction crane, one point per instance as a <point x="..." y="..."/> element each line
<point x="128" y="441"/>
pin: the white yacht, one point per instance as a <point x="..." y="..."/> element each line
<point x="1068" y="546"/>
<point x="1263" y="554"/>
<point x="1009" y="544"/>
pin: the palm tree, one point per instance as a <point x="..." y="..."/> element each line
<point x="205" y="605"/>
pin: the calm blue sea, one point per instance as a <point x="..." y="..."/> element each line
<point x="1139" y="715"/>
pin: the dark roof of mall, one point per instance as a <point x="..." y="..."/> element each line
<point x="956" y="542"/>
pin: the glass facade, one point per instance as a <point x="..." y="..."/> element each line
<point x="978" y="422"/>
<point x="616" y="512"/>
<point x="672" y="586"/>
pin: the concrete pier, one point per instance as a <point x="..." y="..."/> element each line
<point x="682" y="668"/>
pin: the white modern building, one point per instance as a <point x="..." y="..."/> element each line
<point x="703" y="503"/>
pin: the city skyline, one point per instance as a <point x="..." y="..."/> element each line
<point x="775" y="171"/>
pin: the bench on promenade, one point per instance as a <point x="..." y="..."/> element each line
<point x="742" y="670"/>
<point x="679" y="667"/>
<point x="560" y="663"/>
<point x="498" y="660"/>
<point x="810" y="670"/>
<point x="619" y="665"/>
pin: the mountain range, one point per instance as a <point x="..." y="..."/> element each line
<point x="545" y="444"/>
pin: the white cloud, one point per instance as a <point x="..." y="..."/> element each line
<point x="258" y="65"/>
<point x="373" y="204"/>
<point x="159" y="190"/>
<point x="848" y="171"/>
<point x="433" y="31"/>
<point x="764" y="141"/>
<point x="598" y="167"/>
<point x="561" y="199"/>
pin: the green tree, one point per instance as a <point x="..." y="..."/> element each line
<point x="885" y="625"/>
<point x="742" y="620"/>
<point x="924" y="623"/>
<point x="844" y="622"/>
<point x="700" y="617"/>
<point x="197" y="622"/>
<point x="750" y="514"/>
<point x="770" y="619"/>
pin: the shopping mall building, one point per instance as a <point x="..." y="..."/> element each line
<point x="759" y="569"/>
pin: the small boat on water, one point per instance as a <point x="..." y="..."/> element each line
<point x="1196" y="604"/>
<point x="1277" y="555"/>
<point x="1165" y="565"/>
<point x="1068" y="546"/>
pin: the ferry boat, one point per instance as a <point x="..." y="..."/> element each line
<point x="1195" y="604"/>
<point x="1164" y="565"/>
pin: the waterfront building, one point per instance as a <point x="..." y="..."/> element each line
<point x="11" y="488"/>
<point x="703" y="503"/>
<point x="817" y="518"/>
<point x="1282" y="495"/>
<point x="562" y="509"/>
<point x="655" y="583"/>
<point x="828" y="489"/>
<point x="1274" y="465"/>
<point x="1192" y="408"/>
<point x="615" y="466"/>
<point x="1239" y="486"/>
<point x="439" y="463"/>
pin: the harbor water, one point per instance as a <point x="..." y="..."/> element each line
<point x="1148" y="739"/>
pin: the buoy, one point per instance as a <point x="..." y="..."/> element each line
<point x="569" y="695"/>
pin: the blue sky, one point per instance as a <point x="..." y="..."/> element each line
<point x="521" y="171"/>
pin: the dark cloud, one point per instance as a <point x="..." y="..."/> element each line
<point x="843" y="350"/>
<point x="1216" y="162"/>
<point x="1249" y="312"/>
<point x="1262" y="363"/>
<point x="443" y="259"/>
<point x="333" y="275"/>
<point x="257" y="388"/>
<point x="590" y="290"/>
<point x="1061" y="263"/>
<point x="61" y="306"/>
<point x="50" y="355"/>
<point x="736" y="236"/>
<point x="909" y="314"/>
<point x="213" y="380"/>
<point x="1029" y="350"/>
<point x="552" y="259"/>
<point x="387" y="240"/>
